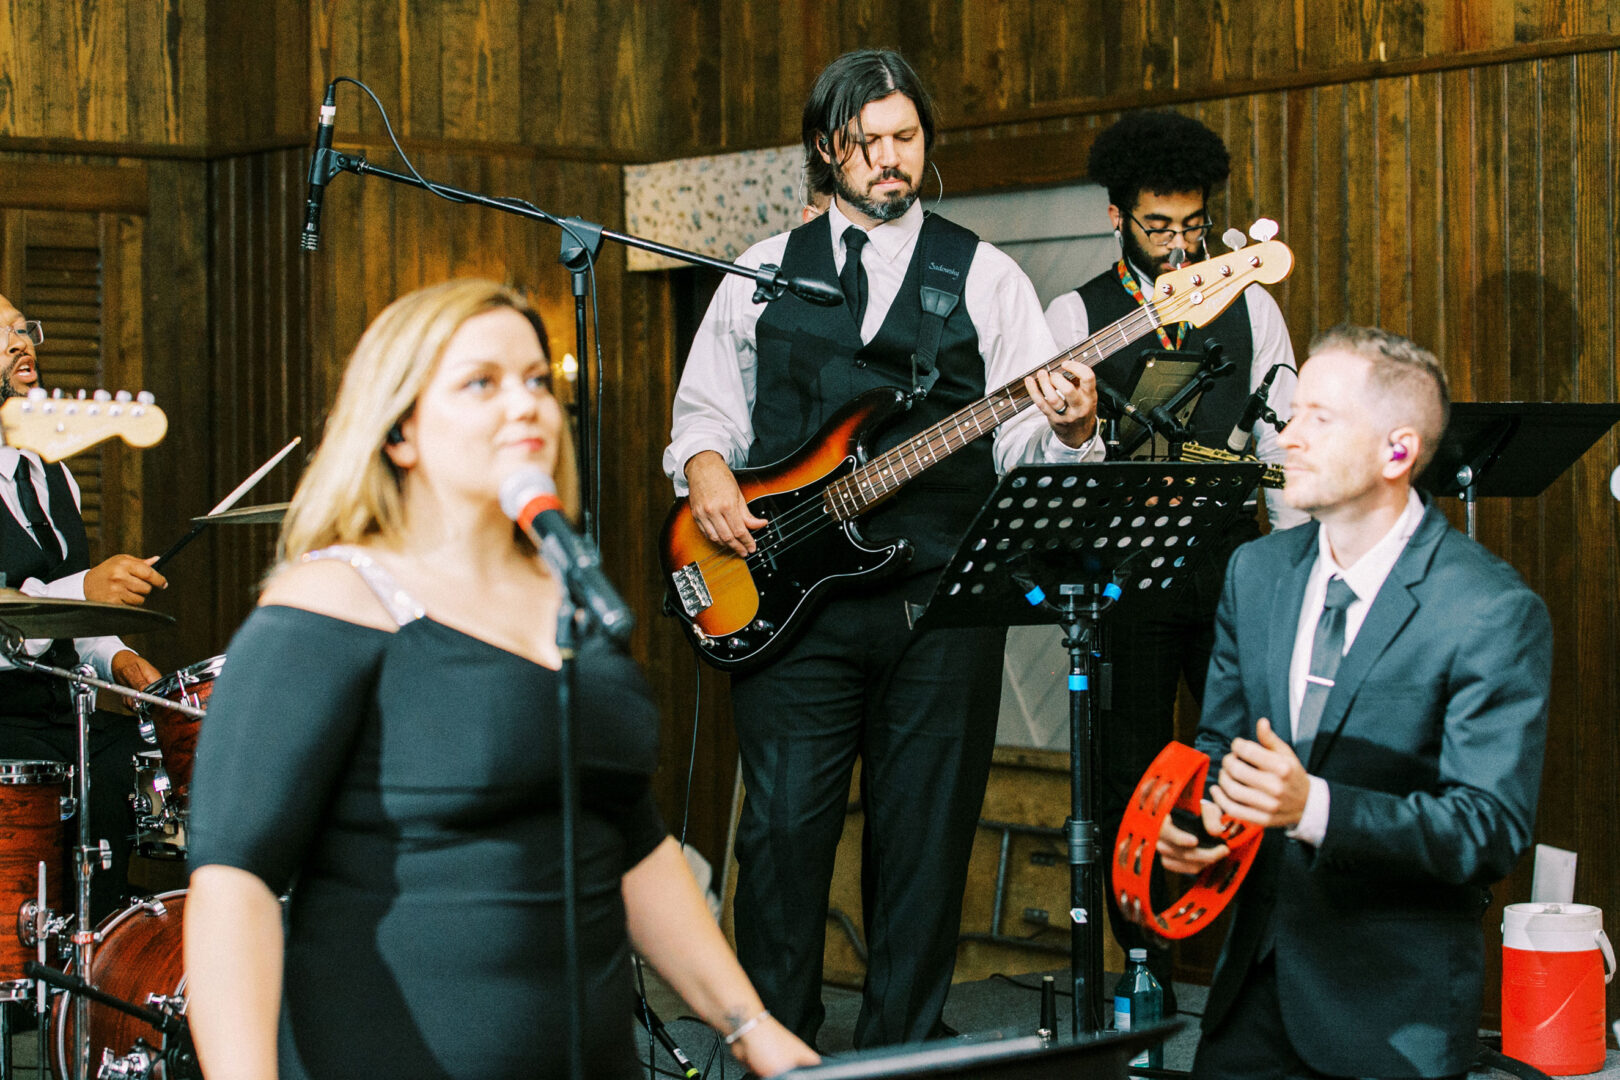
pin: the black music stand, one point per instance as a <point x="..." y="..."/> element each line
<point x="1087" y="536"/>
<point x="1512" y="448"/>
<point x="1091" y="1057"/>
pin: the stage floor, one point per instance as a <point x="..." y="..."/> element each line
<point x="990" y="1009"/>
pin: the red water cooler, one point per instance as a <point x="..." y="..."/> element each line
<point x="1556" y="961"/>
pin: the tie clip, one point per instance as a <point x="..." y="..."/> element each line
<point x="1318" y="680"/>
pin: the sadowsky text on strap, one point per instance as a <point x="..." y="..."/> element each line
<point x="1175" y="780"/>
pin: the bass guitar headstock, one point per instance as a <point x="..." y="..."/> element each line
<point x="1198" y="293"/>
<point x="59" y="427"/>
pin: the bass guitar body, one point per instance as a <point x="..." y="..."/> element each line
<point x="739" y="612"/>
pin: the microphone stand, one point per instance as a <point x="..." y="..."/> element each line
<point x="569" y="618"/>
<point x="581" y="242"/>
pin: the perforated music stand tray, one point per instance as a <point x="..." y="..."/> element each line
<point x="1060" y="544"/>
<point x="1078" y="524"/>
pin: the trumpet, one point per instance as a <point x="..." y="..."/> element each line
<point x="1205" y="455"/>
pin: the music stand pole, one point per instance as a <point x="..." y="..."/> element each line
<point x="1081" y="615"/>
<point x="1090" y="535"/>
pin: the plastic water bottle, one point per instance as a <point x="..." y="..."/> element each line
<point x="1138" y="1002"/>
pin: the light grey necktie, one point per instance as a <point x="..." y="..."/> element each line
<point x="1327" y="649"/>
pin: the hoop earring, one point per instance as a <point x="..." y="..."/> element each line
<point x="1119" y="239"/>
<point x="940" y="180"/>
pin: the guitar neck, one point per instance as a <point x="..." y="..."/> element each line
<point x="890" y="470"/>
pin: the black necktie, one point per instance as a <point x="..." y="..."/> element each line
<point x="1327" y="649"/>
<point x="44" y="535"/>
<point x="853" y="279"/>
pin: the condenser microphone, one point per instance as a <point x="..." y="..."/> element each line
<point x="529" y="497"/>
<point x="310" y="240"/>
<point x="1238" y="441"/>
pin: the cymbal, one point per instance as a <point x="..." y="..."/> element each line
<point x="268" y="514"/>
<point x="39" y="617"/>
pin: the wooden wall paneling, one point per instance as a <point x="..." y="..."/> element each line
<point x="123" y="351"/>
<point x="1592" y="781"/>
<point x="176" y="367"/>
<point x="1300" y="225"/>
<point x="421" y="68"/>
<point x="1363" y="245"/>
<point x="1333" y="162"/>
<point x="1426" y="269"/>
<point x="1391" y="218"/>
<point x="257" y="71"/>
<point x="156" y="48"/>
<point x="1524" y="356"/>
<point x="96" y="60"/>
<point x="1459" y="253"/>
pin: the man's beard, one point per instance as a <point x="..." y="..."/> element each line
<point x="7" y="390"/>
<point x="892" y="205"/>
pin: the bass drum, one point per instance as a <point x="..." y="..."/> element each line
<point x="138" y="956"/>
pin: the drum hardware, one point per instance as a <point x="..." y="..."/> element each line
<point x="24" y="616"/>
<point x="135" y="1065"/>
<point x="219" y="515"/>
<point x="267" y="514"/>
<point x="176" y="1057"/>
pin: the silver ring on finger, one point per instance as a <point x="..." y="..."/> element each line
<point x="1061" y="407"/>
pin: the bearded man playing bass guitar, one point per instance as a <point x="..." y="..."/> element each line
<point x="918" y="708"/>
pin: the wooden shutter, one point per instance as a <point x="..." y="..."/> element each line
<point x="73" y="271"/>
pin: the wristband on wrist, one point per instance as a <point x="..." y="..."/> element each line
<point x="746" y="1026"/>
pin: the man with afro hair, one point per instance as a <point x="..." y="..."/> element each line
<point x="1159" y="169"/>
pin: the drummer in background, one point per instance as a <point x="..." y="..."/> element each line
<point x="44" y="552"/>
<point x="382" y="743"/>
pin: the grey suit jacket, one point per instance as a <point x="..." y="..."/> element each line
<point x="1431" y="744"/>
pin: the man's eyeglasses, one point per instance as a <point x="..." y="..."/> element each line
<point x="1193" y="235"/>
<point x="33" y="332"/>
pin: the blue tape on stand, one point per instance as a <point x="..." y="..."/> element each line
<point x="1079" y="682"/>
<point x="1113" y="591"/>
<point x="1035" y="596"/>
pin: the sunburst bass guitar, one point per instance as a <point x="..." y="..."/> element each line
<point x="740" y="611"/>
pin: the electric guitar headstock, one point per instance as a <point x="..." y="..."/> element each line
<point x="1196" y="294"/>
<point x="59" y="427"/>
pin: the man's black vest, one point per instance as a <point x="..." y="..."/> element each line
<point x="24" y="693"/>
<point x="1220" y="406"/>
<point x="811" y="361"/>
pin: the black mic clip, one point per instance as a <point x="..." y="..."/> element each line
<point x="1215" y="361"/>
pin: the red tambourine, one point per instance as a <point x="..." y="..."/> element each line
<point x="1176" y="779"/>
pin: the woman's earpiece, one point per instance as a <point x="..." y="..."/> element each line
<point x="395" y="436"/>
<point x="1397" y="452"/>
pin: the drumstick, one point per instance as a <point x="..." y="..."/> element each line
<point x="227" y="502"/>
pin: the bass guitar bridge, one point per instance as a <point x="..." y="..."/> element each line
<point x="692" y="590"/>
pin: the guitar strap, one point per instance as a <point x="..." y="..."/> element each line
<point x="946" y="255"/>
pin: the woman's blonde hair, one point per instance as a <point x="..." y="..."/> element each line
<point x="351" y="490"/>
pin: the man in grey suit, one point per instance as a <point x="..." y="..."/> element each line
<point x="1377" y="700"/>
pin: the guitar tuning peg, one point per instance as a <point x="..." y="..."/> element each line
<point x="1234" y="239"/>
<point x="83" y="394"/>
<point x="145" y="397"/>
<point x="1263" y="230"/>
<point x="38" y="393"/>
<point x="123" y="395"/>
<point x="101" y="395"/>
<point x="57" y="394"/>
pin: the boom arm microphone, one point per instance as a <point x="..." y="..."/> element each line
<point x="816" y="291"/>
<point x="529" y="497"/>
<point x="1238" y="441"/>
<point x="310" y="240"/>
